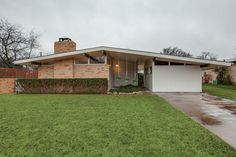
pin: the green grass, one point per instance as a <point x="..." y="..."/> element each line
<point x="100" y="125"/>
<point x="224" y="91"/>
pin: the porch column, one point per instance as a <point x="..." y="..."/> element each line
<point x="105" y="59"/>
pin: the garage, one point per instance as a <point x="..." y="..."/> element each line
<point x="169" y="75"/>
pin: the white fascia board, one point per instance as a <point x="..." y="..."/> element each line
<point x="170" y="57"/>
<point x="231" y="60"/>
<point x="121" y="50"/>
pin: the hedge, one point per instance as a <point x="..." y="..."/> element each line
<point x="62" y="86"/>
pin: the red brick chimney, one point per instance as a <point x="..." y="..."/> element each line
<point x="64" y="45"/>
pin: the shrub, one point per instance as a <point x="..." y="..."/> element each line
<point x="227" y="80"/>
<point x="127" y="89"/>
<point x="222" y="76"/>
<point x="77" y="85"/>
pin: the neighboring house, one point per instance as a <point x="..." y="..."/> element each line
<point x="232" y="69"/>
<point x="211" y="76"/>
<point x="162" y="73"/>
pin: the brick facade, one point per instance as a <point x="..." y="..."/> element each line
<point x="91" y="71"/>
<point x="64" y="69"/>
<point x="67" y="69"/>
<point x="7" y="85"/>
<point x="45" y="71"/>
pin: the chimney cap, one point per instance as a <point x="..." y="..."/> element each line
<point x="64" y="39"/>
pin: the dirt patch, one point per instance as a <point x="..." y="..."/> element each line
<point x="209" y="97"/>
<point x="147" y="93"/>
<point x="220" y="103"/>
<point x="209" y="120"/>
<point x="205" y="99"/>
<point x="230" y="107"/>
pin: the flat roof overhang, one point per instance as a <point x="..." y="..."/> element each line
<point x="110" y="50"/>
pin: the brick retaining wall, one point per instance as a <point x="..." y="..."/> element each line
<point x="18" y="73"/>
<point x="7" y="85"/>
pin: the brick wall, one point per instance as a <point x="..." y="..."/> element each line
<point x="64" y="68"/>
<point x="67" y="69"/>
<point x="91" y="71"/>
<point x="9" y="75"/>
<point x="17" y="73"/>
<point x="7" y="85"/>
<point x="45" y="71"/>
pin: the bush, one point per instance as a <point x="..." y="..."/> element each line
<point x="127" y="89"/>
<point x="62" y="86"/>
<point x="227" y="80"/>
<point x="222" y="76"/>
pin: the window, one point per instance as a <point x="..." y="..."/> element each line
<point x="156" y="62"/>
<point x="97" y="60"/>
<point x="81" y="60"/>
<point x="176" y="63"/>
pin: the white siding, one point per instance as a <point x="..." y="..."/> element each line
<point x="176" y="79"/>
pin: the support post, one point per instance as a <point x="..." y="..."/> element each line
<point x="105" y="59"/>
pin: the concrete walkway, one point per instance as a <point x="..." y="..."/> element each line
<point x="216" y="114"/>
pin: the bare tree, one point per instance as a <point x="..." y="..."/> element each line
<point x="207" y="55"/>
<point x="15" y="43"/>
<point x="175" y="52"/>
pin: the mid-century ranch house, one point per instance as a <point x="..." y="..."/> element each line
<point x="162" y="73"/>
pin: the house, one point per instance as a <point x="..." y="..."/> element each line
<point x="162" y="73"/>
<point x="231" y="71"/>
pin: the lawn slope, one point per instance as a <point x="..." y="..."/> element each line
<point x="224" y="91"/>
<point x="94" y="125"/>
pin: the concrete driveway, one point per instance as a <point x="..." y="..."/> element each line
<point x="216" y="114"/>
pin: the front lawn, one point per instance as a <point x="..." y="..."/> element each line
<point x="225" y="91"/>
<point x="100" y="125"/>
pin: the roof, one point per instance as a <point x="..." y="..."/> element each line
<point x="121" y="50"/>
<point x="231" y="60"/>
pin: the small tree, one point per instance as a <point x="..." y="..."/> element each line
<point x="15" y="43"/>
<point x="222" y="76"/>
<point x="176" y="52"/>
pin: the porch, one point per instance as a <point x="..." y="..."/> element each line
<point x="119" y="68"/>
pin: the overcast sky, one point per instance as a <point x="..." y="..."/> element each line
<point x="192" y="25"/>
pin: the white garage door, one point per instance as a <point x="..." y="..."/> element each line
<point x="176" y="78"/>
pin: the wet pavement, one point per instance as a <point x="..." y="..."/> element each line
<point x="216" y="114"/>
